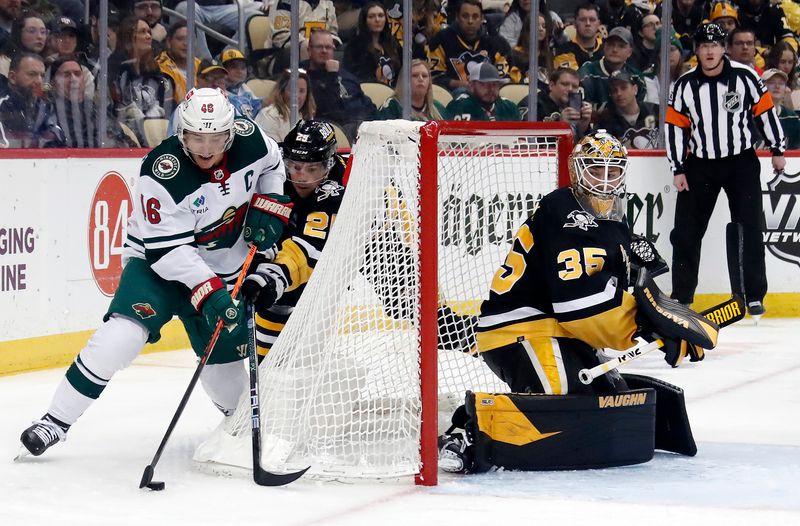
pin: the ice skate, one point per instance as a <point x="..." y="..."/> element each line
<point x="40" y="436"/>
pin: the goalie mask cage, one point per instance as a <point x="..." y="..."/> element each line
<point x="381" y="344"/>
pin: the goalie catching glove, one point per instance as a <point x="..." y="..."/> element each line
<point x="211" y="299"/>
<point x="266" y="217"/>
<point x="684" y="331"/>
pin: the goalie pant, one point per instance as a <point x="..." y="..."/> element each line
<point x="186" y="228"/>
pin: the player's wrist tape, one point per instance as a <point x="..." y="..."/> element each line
<point x="268" y="205"/>
<point x="201" y="292"/>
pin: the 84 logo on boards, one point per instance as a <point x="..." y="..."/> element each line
<point x="108" y="223"/>
<point x="782" y="215"/>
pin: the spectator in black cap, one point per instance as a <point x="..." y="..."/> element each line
<point x="63" y="40"/>
<point x="634" y="123"/>
<point x="617" y="49"/>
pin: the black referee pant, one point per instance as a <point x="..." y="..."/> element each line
<point x="739" y="175"/>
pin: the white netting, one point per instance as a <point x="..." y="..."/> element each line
<point x="340" y="389"/>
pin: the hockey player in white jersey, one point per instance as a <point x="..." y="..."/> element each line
<point x="203" y="196"/>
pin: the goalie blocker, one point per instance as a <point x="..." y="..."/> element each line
<point x="535" y="432"/>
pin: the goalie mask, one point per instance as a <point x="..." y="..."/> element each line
<point x="208" y="113"/>
<point x="309" y="148"/>
<point x="597" y="168"/>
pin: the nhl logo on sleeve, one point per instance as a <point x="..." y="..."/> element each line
<point x="166" y="166"/>
<point x="243" y="127"/>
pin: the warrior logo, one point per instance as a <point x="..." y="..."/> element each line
<point x="581" y="220"/>
<point x="732" y="102"/>
<point x="243" y="127"/>
<point x="225" y="232"/>
<point x="166" y="166"/>
<point x="144" y="310"/>
<point x="782" y="215"/>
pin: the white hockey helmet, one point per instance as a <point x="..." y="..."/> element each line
<point x="205" y="110"/>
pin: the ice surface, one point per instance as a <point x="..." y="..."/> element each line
<point x="743" y="402"/>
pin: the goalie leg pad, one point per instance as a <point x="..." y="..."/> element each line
<point x="673" y="432"/>
<point x="670" y="318"/>
<point x="531" y="432"/>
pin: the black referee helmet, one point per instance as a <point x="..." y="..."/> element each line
<point x="709" y="33"/>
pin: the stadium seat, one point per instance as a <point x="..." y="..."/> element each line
<point x="261" y="88"/>
<point x="377" y="92"/>
<point x="155" y="131"/>
<point x="341" y="137"/>
<point x="129" y="133"/>
<point x="441" y="95"/>
<point x="514" y="92"/>
<point x="259" y="32"/>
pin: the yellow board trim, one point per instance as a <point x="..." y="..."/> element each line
<point x="59" y="350"/>
<point x="778" y="304"/>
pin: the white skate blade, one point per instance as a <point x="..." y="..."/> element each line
<point x="23" y="452"/>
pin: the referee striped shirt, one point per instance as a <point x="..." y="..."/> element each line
<point x="716" y="115"/>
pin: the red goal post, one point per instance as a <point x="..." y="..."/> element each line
<point x="377" y="352"/>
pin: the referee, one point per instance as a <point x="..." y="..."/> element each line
<point x="714" y="108"/>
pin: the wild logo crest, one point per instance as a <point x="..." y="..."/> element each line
<point x="224" y="232"/>
<point x="166" y="166"/>
<point x="781" y="214"/>
<point x="144" y="310"/>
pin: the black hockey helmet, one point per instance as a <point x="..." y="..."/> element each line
<point x="709" y="33"/>
<point x="311" y="142"/>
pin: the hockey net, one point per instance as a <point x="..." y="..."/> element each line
<point x="382" y="338"/>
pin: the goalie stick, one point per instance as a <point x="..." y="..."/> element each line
<point x="728" y="312"/>
<point x="260" y="476"/>
<point x="147" y="475"/>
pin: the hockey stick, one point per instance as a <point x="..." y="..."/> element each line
<point x="728" y="312"/>
<point x="260" y="476"/>
<point x="147" y="476"/>
<point x="724" y="314"/>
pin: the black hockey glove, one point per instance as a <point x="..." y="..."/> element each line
<point x="261" y="290"/>
<point x="644" y="254"/>
<point x="676" y="350"/>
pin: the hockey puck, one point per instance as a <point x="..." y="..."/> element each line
<point x="156" y="486"/>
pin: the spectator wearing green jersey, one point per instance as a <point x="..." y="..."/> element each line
<point x="483" y="101"/>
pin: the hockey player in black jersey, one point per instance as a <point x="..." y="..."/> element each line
<point x="314" y="175"/>
<point x="557" y="301"/>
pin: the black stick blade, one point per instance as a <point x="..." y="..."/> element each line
<point x="265" y="478"/>
<point x="147" y="476"/>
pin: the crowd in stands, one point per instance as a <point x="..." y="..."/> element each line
<point x="598" y="64"/>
